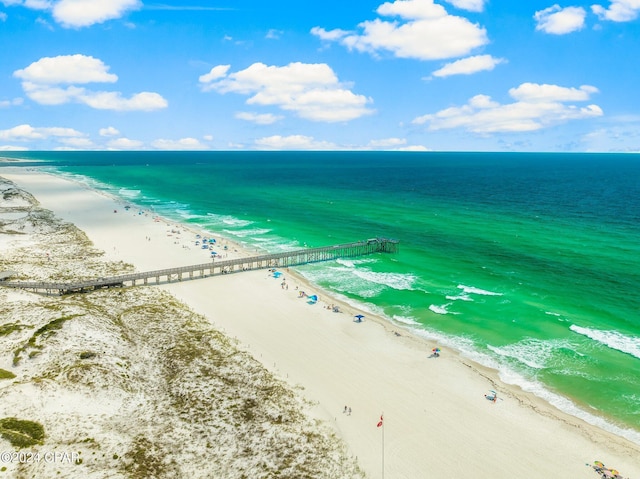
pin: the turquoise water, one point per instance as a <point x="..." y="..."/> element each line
<point x="528" y="263"/>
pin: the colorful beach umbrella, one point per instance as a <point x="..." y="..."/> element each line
<point x="598" y="463"/>
<point x="436" y="350"/>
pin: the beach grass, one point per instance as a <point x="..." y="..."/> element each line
<point x="21" y="433"/>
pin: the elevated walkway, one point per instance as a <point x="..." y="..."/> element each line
<point x="213" y="268"/>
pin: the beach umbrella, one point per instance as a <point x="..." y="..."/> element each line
<point x="313" y="297"/>
<point x="436" y="350"/>
<point x="359" y="317"/>
<point x="598" y="463"/>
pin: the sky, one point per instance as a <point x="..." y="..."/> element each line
<point x="414" y="75"/>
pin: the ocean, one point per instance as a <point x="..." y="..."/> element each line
<point x="528" y="263"/>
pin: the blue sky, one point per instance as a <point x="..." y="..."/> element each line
<point x="485" y="75"/>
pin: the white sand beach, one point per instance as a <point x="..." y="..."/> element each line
<point x="437" y="422"/>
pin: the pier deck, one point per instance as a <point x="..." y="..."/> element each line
<point x="213" y="268"/>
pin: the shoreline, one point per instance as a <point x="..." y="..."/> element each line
<point x="430" y="405"/>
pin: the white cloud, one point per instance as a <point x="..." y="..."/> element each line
<point x="124" y="144"/>
<point x="214" y="74"/>
<point x="428" y="32"/>
<point x="109" y="131"/>
<point x="311" y="91"/>
<point x="77" y="143"/>
<point x="80" y="13"/>
<point x="27" y="132"/>
<point x="83" y="13"/>
<point x="618" y="11"/>
<point x="13" y="148"/>
<point x="388" y="143"/>
<point x="559" y="21"/>
<point x="533" y="92"/>
<point x="182" y="144"/>
<point x="34" y="4"/>
<point x="293" y="142"/>
<point x="71" y="69"/>
<point x="259" y="119"/>
<point x="43" y="82"/>
<point x="274" y="34"/>
<point x="144" y="101"/>
<point x="536" y="107"/>
<point x="332" y="35"/>
<point x="469" y="65"/>
<point x="7" y="103"/>
<point x="471" y="5"/>
<point x="3" y="16"/>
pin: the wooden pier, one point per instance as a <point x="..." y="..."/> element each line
<point x="213" y="268"/>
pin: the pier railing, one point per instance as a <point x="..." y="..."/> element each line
<point x="204" y="270"/>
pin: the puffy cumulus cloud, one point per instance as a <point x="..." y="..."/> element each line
<point x="425" y="31"/>
<point x="84" y="13"/>
<point x="27" y="132"/>
<point x="217" y="72"/>
<point x="293" y="142"/>
<point x="536" y="107"/>
<point x="310" y="90"/>
<point x="81" y="13"/>
<point x="54" y="80"/>
<point x="259" y="119"/>
<point x="108" y="131"/>
<point x="471" y="5"/>
<point x="618" y="11"/>
<point x="559" y="21"/>
<point x="469" y="65"/>
<point x="71" y="69"/>
<point x="181" y="144"/>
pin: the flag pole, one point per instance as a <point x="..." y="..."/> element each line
<point x="382" y="420"/>
<point x="381" y="425"/>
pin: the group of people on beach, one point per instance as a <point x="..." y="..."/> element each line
<point x="347" y="411"/>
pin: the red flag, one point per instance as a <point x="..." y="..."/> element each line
<point x="380" y="423"/>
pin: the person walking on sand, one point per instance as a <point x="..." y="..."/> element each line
<point x="345" y="410"/>
<point x="349" y="413"/>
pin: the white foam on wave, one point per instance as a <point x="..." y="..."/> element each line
<point x="405" y="320"/>
<point x="248" y="232"/>
<point x="534" y="353"/>
<point x="351" y="263"/>
<point x="612" y="339"/>
<point x="474" y="290"/>
<point x="228" y="221"/>
<point x="397" y="281"/>
<point x="440" y="309"/>
<point x="126" y="193"/>
<point x="460" y="297"/>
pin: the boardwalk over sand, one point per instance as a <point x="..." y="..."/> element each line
<point x="277" y="260"/>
